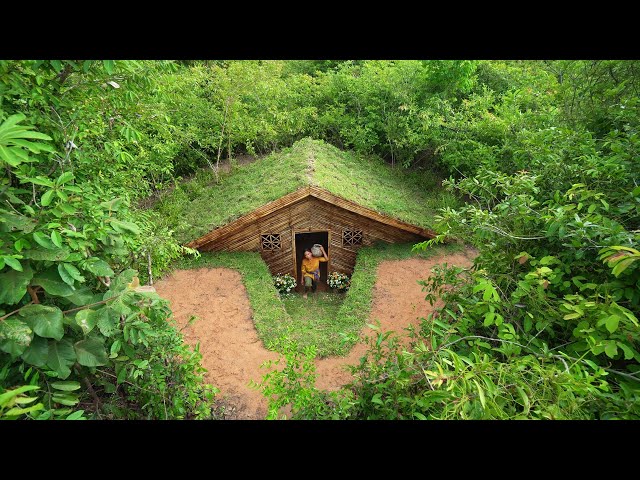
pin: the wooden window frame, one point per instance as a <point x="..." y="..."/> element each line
<point x="273" y="239"/>
<point x="352" y="233"/>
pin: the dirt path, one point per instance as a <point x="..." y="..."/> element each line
<point x="232" y="351"/>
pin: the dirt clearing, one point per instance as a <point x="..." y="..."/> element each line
<point x="232" y="352"/>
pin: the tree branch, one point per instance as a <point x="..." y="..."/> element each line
<point x="34" y="294"/>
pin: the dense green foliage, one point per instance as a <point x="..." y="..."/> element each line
<point x="70" y="307"/>
<point x="546" y="323"/>
<point x="544" y="156"/>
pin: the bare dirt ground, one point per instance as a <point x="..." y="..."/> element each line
<point x="232" y="351"/>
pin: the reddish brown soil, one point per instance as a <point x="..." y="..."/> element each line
<point x="232" y="351"/>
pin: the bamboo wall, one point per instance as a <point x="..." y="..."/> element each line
<point x="308" y="214"/>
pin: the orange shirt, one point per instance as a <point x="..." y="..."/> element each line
<point x="310" y="265"/>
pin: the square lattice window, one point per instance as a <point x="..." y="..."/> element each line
<point x="351" y="237"/>
<point x="270" y="241"/>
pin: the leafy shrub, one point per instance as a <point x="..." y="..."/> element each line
<point x="71" y="312"/>
<point x="284" y="282"/>
<point x="293" y="386"/>
<point x="339" y="281"/>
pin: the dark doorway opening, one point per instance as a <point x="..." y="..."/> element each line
<point x="305" y="241"/>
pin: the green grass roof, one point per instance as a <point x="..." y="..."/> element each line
<point x="200" y="205"/>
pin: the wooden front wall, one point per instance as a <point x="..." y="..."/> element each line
<point x="309" y="214"/>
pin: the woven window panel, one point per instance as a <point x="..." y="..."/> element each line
<point x="352" y="237"/>
<point x="270" y="241"/>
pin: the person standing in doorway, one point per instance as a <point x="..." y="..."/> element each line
<point x="310" y="270"/>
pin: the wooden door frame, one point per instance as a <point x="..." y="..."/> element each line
<point x="293" y="248"/>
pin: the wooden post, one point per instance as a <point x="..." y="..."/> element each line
<point x="149" y="267"/>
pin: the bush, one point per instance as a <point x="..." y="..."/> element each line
<point x="71" y="311"/>
<point x="284" y="282"/>
<point x="339" y="281"/>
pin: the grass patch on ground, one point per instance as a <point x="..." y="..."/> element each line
<point x="313" y="320"/>
<point x="330" y="321"/>
<point x="199" y="205"/>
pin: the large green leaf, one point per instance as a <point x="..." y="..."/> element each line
<point x="8" y="155"/>
<point x="15" y="336"/>
<point x="43" y="254"/>
<point x="64" y="178"/>
<point x="98" y="267"/>
<point x="122" y="227"/>
<point x="42" y="181"/>
<point x="628" y="352"/>
<point x="69" y="399"/>
<point x="52" y="283"/>
<point x="622" y="265"/>
<point x="32" y="147"/>
<point x="610" y="348"/>
<point x="68" y="386"/>
<point x="44" y="320"/>
<point x="86" y="320"/>
<point x="56" y="238"/>
<point x="43" y="240"/>
<point x="61" y="357"/>
<point x="46" y="198"/>
<point x="73" y="272"/>
<point x="37" y="352"/>
<point x="13" y="285"/>
<point x="107" y="321"/>
<point x="83" y="296"/>
<point x="22" y="411"/>
<point x="38" y="135"/>
<point x="91" y="352"/>
<point x="9" y="394"/>
<point x="612" y="323"/>
<point x="108" y="66"/>
<point x="11" y="221"/>
<point x="77" y="415"/>
<point x="12" y="121"/>
<point x="13" y="263"/>
<point x="64" y="275"/>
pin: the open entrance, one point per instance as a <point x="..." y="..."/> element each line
<point x="304" y="241"/>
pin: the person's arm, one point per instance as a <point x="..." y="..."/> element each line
<point x="303" y="269"/>
<point x="326" y="259"/>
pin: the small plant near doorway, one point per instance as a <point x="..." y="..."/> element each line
<point x="284" y="283"/>
<point x="339" y="281"/>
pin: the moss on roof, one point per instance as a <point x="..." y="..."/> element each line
<point x="198" y="206"/>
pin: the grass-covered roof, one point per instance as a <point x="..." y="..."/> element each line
<point x="200" y="205"/>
